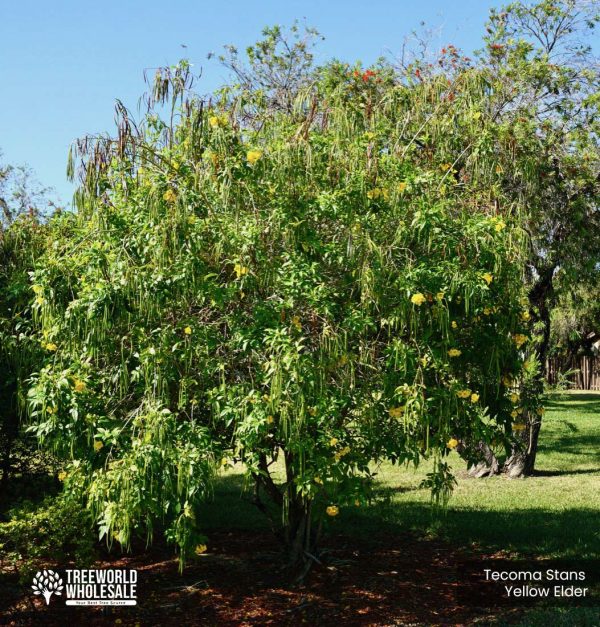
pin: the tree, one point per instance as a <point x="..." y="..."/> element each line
<point x="575" y="319"/>
<point x="303" y="290"/>
<point x="22" y="201"/>
<point x="21" y="194"/>
<point x="544" y="93"/>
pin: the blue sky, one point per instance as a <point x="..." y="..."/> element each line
<point x="64" y="62"/>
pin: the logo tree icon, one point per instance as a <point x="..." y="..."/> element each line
<point x="47" y="582"/>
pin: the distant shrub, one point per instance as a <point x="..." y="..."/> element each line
<point x="56" y="530"/>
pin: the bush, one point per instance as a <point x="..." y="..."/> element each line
<point x="56" y="530"/>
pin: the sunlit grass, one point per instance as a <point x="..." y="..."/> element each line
<point x="553" y="514"/>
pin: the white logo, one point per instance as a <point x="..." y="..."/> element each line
<point x="47" y="582"/>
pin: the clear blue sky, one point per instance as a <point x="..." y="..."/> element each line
<point x="65" y="61"/>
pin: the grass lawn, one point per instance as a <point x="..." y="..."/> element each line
<point x="554" y="514"/>
<point x="393" y="563"/>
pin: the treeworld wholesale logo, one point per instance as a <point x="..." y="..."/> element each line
<point x="47" y="583"/>
<point x="89" y="587"/>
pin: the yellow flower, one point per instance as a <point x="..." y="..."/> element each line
<point x="507" y="381"/>
<point x="374" y="193"/>
<point x="454" y="325"/>
<point x="217" y="120"/>
<point x="51" y="346"/>
<point x="452" y="443"/>
<point x="201" y="548"/>
<point x="98" y="445"/>
<point x="445" y="167"/>
<point x="487" y="277"/>
<point x="240" y="270"/>
<point x="270" y="420"/>
<point x="213" y="157"/>
<point x="454" y="352"/>
<point x="487" y="311"/>
<point x="514" y="413"/>
<point x="519" y="339"/>
<point x="50" y="410"/>
<point x="170" y="196"/>
<point x="62" y="475"/>
<point x="463" y="393"/>
<point x="224" y="461"/>
<point x="439" y="296"/>
<point x="40" y="300"/>
<point x="37" y="289"/>
<point x="499" y="169"/>
<point x="79" y="385"/>
<point x="318" y="480"/>
<point x="518" y="426"/>
<point x="333" y="441"/>
<point x="499" y="226"/>
<point x="474" y="397"/>
<point x="396" y="412"/>
<point x="296" y="322"/>
<point x="401" y="187"/>
<point x="333" y="510"/>
<point x="525" y="316"/>
<point x="188" y="330"/>
<point x="356" y="502"/>
<point x="417" y="299"/>
<point x="514" y="398"/>
<point x="424" y="360"/>
<point x="312" y="411"/>
<point x="476" y="115"/>
<point x="252" y="156"/>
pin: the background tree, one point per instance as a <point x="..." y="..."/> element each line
<point x="21" y="194"/>
<point x="23" y="201"/>
<point x="544" y="93"/>
<point x="20" y="244"/>
<point x="575" y="320"/>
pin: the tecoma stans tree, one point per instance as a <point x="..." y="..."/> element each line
<point x="305" y="291"/>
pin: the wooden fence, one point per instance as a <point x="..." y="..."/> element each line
<point x="587" y="376"/>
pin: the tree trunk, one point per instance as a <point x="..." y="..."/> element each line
<point x="522" y="459"/>
<point x="298" y="537"/>
<point x="301" y="542"/>
<point x="487" y="465"/>
<point x="521" y="462"/>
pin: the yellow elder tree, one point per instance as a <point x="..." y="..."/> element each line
<point x="304" y="291"/>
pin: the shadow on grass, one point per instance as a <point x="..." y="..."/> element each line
<point x="565" y="473"/>
<point x="572" y="533"/>
<point x="580" y="403"/>
<point x="575" y="445"/>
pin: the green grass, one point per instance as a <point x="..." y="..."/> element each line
<point x="553" y="514"/>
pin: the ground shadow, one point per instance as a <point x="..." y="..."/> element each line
<point x="563" y="473"/>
